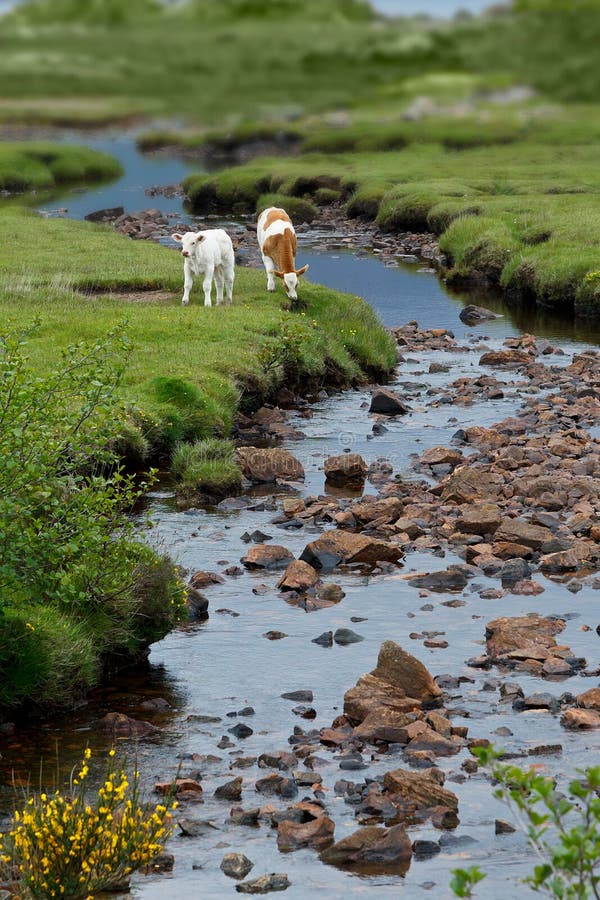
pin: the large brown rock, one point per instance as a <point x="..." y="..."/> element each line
<point x="518" y="531"/>
<point x="399" y="682"/>
<point x="261" y="464"/>
<point x="334" y="547"/>
<point x="384" y="724"/>
<point x="388" y="403"/>
<point x="467" y="484"/>
<point x="532" y="636"/>
<point x="418" y="789"/>
<point x="508" y="359"/>
<point x="267" y="556"/>
<point x="439" y="456"/>
<point x="575" y="719"/>
<point x="370" y="509"/>
<point x="317" y="834"/>
<point x="298" y="576"/>
<point x="589" y="699"/>
<point x="481" y="518"/>
<point x="346" y="467"/>
<point x="372" y="849"/>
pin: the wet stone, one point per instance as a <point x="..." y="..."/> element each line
<point x="299" y="696"/>
<point x="265" y="884"/>
<point x="236" y="865"/>
<point x="241" y="731"/>
<point x="231" y="790"/>
<point x="345" y="636"/>
<point x="324" y="640"/>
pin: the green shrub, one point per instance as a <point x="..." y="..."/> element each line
<point x="326" y="196"/>
<point x="70" y="565"/>
<point x="405" y="208"/>
<point x="206" y="467"/>
<point x="299" y="210"/>
<point x="562" y="828"/>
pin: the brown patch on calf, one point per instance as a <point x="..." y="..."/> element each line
<point x="275" y="215"/>
<point x="282" y="250"/>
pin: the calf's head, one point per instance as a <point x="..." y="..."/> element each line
<point x="189" y="241"/>
<point x="290" y="281"/>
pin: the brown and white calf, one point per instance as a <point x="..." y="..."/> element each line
<point x="278" y="243"/>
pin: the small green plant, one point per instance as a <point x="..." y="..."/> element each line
<point x="207" y="466"/>
<point x="563" y="829"/>
<point x="285" y="349"/>
<point x="79" y="842"/>
<point x="464" y="880"/>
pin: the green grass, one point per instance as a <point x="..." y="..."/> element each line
<point x="192" y="367"/>
<point x="26" y="166"/>
<point x="526" y="217"/>
<point x="206" y="468"/>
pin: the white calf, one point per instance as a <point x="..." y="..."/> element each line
<point x="278" y="244"/>
<point x="208" y="253"/>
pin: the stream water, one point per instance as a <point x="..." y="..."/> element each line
<point x="217" y="668"/>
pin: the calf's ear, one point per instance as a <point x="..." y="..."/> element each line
<point x="278" y="274"/>
<point x="301" y="271"/>
<point x="200" y="238"/>
<point x="177" y="237"/>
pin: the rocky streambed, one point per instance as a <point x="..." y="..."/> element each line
<point x="440" y="535"/>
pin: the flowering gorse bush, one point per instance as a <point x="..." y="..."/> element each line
<point x="74" y="845"/>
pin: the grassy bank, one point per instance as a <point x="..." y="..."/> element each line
<point x="525" y="217"/>
<point x="40" y="165"/>
<point x="188" y="371"/>
<point x="191" y="367"/>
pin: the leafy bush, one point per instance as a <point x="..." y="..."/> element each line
<point x="74" y="845"/>
<point x="70" y="565"/>
<point x="562" y="827"/>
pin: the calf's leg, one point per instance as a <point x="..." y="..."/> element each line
<point x="219" y="281"/>
<point x="229" y="278"/>
<point x="207" y="286"/>
<point x="270" y="268"/>
<point x="187" y="282"/>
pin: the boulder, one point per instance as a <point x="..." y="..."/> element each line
<point x="575" y="719"/>
<point x="236" y="865"/>
<point x="454" y="578"/>
<point x="298" y="576"/>
<point x="532" y="636"/>
<point x="418" y="789"/>
<point x="388" y="403"/>
<point x="374" y="849"/>
<point x="509" y="359"/>
<point x="120" y="725"/>
<point x="260" y="464"/>
<point x="317" y="833"/>
<point x="334" y="547"/>
<point x="346" y="467"/>
<point x="440" y="456"/>
<point x="480" y="518"/>
<point x="473" y="315"/>
<point x="265" y="884"/>
<point x="589" y="699"/>
<point x="399" y="682"/>
<point x="518" y="531"/>
<point x="267" y="556"/>
<point x="370" y="509"/>
<point x="466" y="484"/>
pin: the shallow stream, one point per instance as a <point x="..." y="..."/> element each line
<point x="225" y="664"/>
